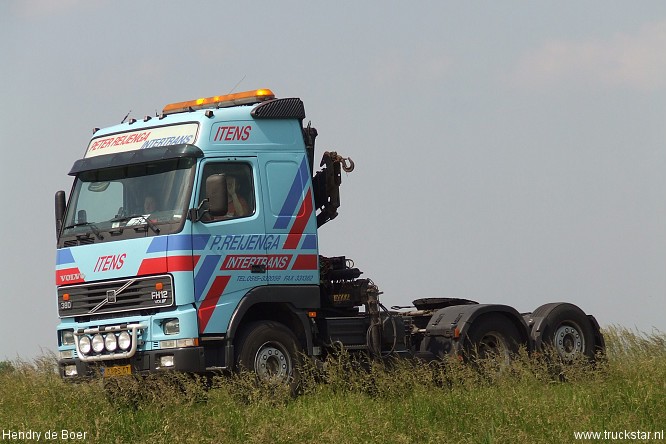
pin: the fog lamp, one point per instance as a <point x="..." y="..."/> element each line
<point x="124" y="340"/>
<point x="110" y="342"/>
<point x="84" y="345"/>
<point x="98" y="343"/>
<point x="167" y="361"/>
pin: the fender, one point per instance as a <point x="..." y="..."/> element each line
<point x="448" y="327"/>
<point x="539" y="321"/>
<point x="297" y="298"/>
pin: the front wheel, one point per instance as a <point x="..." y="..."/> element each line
<point x="271" y="351"/>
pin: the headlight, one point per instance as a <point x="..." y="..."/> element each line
<point x="171" y="327"/>
<point x="124" y="340"/>
<point x="110" y="342"/>
<point x="67" y="337"/>
<point x="84" y="345"/>
<point x="98" y="343"/>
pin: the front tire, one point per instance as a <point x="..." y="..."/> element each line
<point x="271" y="351"/>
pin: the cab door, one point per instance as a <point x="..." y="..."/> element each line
<point x="290" y="220"/>
<point x="235" y="244"/>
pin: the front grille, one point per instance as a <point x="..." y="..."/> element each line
<point x="80" y="240"/>
<point x="115" y="296"/>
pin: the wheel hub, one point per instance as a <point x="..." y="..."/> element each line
<point x="271" y="363"/>
<point x="569" y="341"/>
<point x="493" y="346"/>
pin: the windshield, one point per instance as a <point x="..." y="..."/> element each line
<point x="129" y="201"/>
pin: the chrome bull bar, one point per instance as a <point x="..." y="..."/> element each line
<point x="104" y="355"/>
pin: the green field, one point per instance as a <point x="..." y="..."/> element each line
<point x="623" y="396"/>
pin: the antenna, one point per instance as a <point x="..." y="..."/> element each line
<point x="126" y="116"/>
<point x="238" y="83"/>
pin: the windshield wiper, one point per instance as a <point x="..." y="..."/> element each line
<point x="147" y="221"/>
<point x="92" y="226"/>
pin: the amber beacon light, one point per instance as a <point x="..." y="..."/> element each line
<point x="241" y="98"/>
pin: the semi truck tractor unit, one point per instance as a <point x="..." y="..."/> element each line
<point x="190" y="242"/>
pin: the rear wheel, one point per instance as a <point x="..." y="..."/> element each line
<point x="271" y="351"/>
<point x="567" y="330"/>
<point x="492" y="337"/>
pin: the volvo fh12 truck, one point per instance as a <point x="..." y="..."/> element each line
<point x="190" y="242"/>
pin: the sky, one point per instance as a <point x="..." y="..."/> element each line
<point x="506" y="152"/>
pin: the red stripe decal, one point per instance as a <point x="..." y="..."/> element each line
<point x="165" y="264"/>
<point x="154" y="265"/>
<point x="246" y="261"/>
<point x="210" y="301"/>
<point x="182" y="263"/>
<point x="69" y="276"/>
<point x="306" y="262"/>
<point x="301" y="221"/>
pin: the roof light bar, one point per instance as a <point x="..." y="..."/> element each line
<point x="241" y="98"/>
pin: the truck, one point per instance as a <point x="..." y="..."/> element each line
<point x="190" y="243"/>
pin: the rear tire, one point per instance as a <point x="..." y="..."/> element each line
<point x="271" y="351"/>
<point x="494" y="337"/>
<point x="568" y="331"/>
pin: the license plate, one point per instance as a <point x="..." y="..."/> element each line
<point x="120" y="370"/>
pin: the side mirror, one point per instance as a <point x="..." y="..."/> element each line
<point x="216" y="193"/>
<point x="60" y="206"/>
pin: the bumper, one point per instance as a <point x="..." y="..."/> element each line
<point x="191" y="360"/>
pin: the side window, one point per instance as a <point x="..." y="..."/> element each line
<point x="240" y="188"/>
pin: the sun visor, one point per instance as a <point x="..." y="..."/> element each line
<point x="134" y="157"/>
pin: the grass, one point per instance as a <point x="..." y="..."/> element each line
<point x="403" y="403"/>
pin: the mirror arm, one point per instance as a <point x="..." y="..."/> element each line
<point x="195" y="214"/>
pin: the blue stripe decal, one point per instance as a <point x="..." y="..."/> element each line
<point x="199" y="241"/>
<point x="179" y="242"/>
<point x="157" y="245"/>
<point x="293" y="198"/>
<point x="184" y="242"/>
<point x="64" y="256"/>
<point x="204" y="274"/>
<point x="310" y="242"/>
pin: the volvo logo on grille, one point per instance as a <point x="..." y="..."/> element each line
<point x="111" y="296"/>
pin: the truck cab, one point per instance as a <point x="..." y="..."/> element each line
<point x="180" y="228"/>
